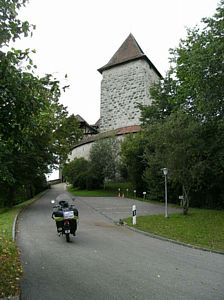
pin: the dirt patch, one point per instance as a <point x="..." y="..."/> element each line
<point x="104" y="224"/>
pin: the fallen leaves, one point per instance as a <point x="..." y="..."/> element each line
<point x="10" y="267"/>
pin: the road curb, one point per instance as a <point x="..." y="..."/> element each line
<point x="170" y="240"/>
<point x="14" y="226"/>
<point x="22" y="209"/>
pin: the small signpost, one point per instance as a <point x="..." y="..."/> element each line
<point x="134" y="214"/>
<point x="181" y="198"/>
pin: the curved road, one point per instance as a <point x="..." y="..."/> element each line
<point x="107" y="261"/>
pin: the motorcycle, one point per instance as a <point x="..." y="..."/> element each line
<point x="66" y="217"/>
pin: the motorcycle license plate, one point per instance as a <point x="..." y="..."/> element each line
<point x="68" y="214"/>
<point x="67" y="231"/>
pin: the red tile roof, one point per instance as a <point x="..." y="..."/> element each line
<point x="115" y="132"/>
<point x="128" y="51"/>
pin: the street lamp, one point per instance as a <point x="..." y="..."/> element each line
<point x="165" y="172"/>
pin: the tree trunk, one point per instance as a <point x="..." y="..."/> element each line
<point x="185" y="201"/>
<point x="11" y="196"/>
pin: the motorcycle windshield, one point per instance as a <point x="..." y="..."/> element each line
<point x="64" y="197"/>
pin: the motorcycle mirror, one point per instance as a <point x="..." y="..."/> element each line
<point x="52" y="201"/>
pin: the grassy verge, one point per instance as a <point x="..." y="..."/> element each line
<point x="202" y="228"/>
<point x="10" y="266"/>
<point x="94" y="193"/>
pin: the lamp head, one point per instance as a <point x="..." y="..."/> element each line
<point x="165" y="171"/>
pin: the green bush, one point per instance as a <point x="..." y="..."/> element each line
<point x="93" y="181"/>
<point x="72" y="171"/>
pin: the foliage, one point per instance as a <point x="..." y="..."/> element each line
<point x="11" y="27"/>
<point x="31" y="118"/>
<point x="66" y="136"/>
<point x="202" y="228"/>
<point x="10" y="268"/>
<point x="122" y="185"/>
<point x="104" y="159"/>
<point x="76" y="173"/>
<point x="184" y="125"/>
<point x="29" y="107"/>
<point x="132" y="160"/>
<point x="101" y="167"/>
<point x="179" y="148"/>
<point x="196" y="74"/>
<point x="199" y="69"/>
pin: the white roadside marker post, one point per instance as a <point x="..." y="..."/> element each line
<point x="134" y="214"/>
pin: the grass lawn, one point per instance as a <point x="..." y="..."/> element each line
<point x="203" y="228"/>
<point x="94" y="193"/>
<point x="10" y="266"/>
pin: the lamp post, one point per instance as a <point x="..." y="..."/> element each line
<point x="165" y="172"/>
<point x="119" y="194"/>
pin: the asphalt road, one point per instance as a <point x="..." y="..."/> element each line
<point x="107" y="261"/>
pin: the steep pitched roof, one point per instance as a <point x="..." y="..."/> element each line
<point x="80" y="119"/>
<point x="128" y="51"/>
<point x="84" y="124"/>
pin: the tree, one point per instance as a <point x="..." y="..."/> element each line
<point x="30" y="108"/>
<point x="196" y="74"/>
<point x="11" y="27"/>
<point x="185" y="122"/>
<point x="132" y="159"/>
<point x="30" y="113"/>
<point x="199" y="69"/>
<point x="177" y="144"/>
<point x="76" y="172"/>
<point x="104" y="159"/>
<point x="66" y="136"/>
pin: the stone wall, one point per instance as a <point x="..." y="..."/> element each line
<point x="122" y="88"/>
<point x="81" y="150"/>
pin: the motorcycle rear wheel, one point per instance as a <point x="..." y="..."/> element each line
<point x="67" y="237"/>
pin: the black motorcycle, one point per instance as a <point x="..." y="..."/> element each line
<point x="66" y="218"/>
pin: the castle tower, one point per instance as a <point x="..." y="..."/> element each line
<point x="126" y="80"/>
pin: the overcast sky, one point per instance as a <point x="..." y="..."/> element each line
<point x="78" y="37"/>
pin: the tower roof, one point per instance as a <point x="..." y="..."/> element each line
<point x="128" y="51"/>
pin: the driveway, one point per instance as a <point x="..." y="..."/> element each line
<point x="106" y="261"/>
<point x="116" y="208"/>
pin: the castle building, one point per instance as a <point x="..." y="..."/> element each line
<point x="126" y="80"/>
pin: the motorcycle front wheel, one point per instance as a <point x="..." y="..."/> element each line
<point x="67" y="237"/>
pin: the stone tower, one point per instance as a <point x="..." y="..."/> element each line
<point x="126" y="80"/>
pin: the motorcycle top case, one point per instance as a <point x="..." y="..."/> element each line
<point x="60" y="215"/>
<point x="71" y="213"/>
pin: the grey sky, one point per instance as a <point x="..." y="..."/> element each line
<point x="78" y="37"/>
